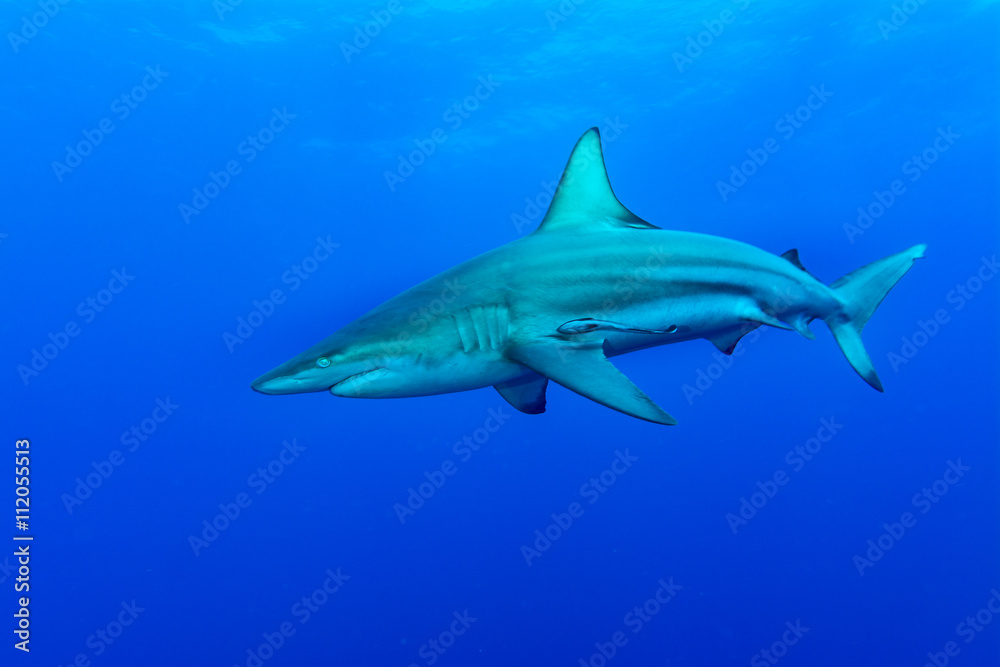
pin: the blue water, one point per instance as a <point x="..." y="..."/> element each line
<point x="143" y="229"/>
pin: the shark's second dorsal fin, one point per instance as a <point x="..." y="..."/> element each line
<point x="793" y="257"/>
<point x="584" y="198"/>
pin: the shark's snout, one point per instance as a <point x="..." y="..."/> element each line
<point x="282" y="384"/>
<point x="310" y="373"/>
<point x="292" y="378"/>
<point x="283" y="380"/>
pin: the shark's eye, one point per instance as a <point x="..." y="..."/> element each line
<point x="322" y="362"/>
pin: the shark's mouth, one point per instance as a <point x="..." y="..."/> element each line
<point x="354" y="385"/>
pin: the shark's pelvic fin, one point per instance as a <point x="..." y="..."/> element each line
<point x="526" y="393"/>
<point x="862" y="291"/>
<point x="584" y="198"/>
<point x="585" y="370"/>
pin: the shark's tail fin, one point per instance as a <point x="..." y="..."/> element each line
<point x="862" y="291"/>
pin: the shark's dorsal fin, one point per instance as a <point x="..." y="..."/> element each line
<point x="584" y="199"/>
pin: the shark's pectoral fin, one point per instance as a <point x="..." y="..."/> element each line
<point x="585" y="370"/>
<point x="526" y="393"/>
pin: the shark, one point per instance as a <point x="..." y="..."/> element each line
<point x="592" y="282"/>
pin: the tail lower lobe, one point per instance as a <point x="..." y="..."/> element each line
<point x="862" y="291"/>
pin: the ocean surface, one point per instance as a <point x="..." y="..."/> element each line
<point x="195" y="192"/>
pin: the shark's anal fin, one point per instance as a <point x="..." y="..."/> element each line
<point x="526" y="393"/>
<point x="761" y="316"/>
<point x="585" y="370"/>
<point x="726" y="340"/>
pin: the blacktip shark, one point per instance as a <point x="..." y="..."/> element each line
<point x="592" y="282"/>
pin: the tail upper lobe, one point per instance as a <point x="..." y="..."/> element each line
<point x="862" y="291"/>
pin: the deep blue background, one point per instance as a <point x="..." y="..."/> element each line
<point x="324" y="176"/>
